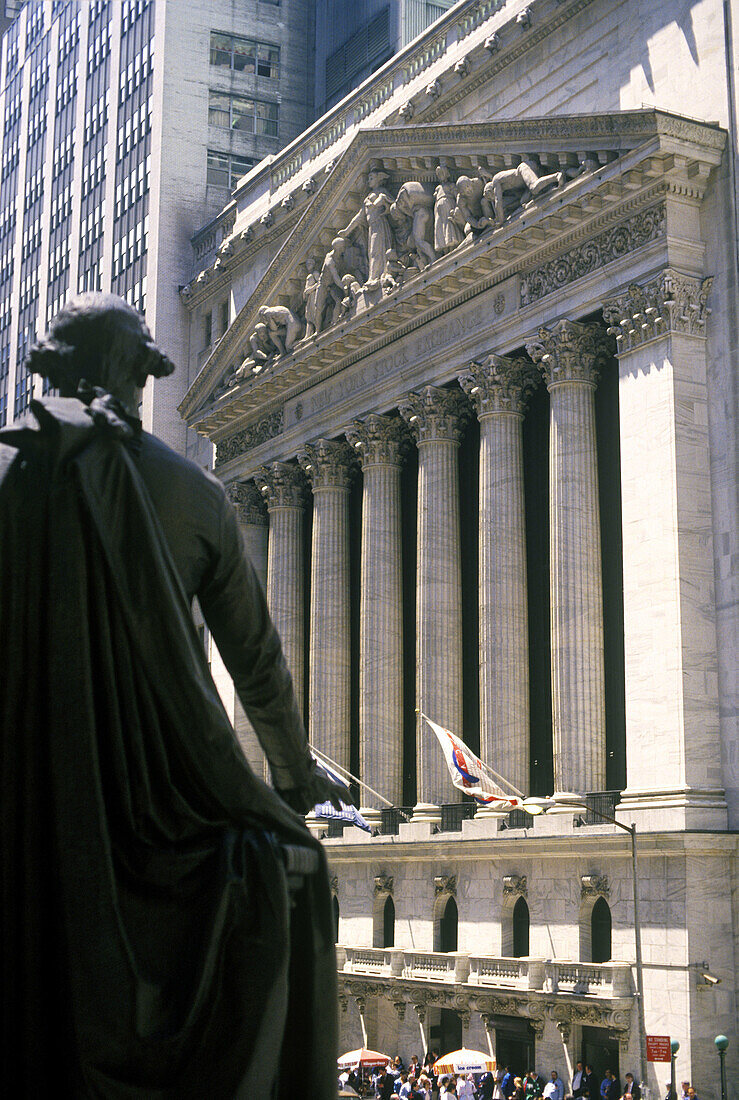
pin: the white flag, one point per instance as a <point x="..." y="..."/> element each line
<point x="469" y="773"/>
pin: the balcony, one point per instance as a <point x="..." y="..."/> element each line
<point x="601" y="980"/>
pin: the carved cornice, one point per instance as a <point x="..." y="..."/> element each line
<point x="282" y="484"/>
<point x="568" y="352"/>
<point x="515" y="884"/>
<point x="248" y="438"/>
<point x="671" y="303"/>
<point x="594" y="886"/>
<point x="593" y="254"/>
<point x="498" y="384"/>
<point x="248" y="503"/>
<point x="328" y="464"/>
<point x="445" y="884"/>
<point x="379" y="440"/>
<point x="383" y="884"/>
<point x="435" y="414"/>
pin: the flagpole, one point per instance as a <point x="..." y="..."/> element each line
<point x="483" y="765"/>
<point x="355" y="779"/>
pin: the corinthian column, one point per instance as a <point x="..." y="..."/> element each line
<point x="328" y="466"/>
<point x="568" y="353"/>
<point x="498" y="388"/>
<point x="253" y="525"/>
<point x="283" y="486"/>
<point x="378" y="440"/>
<point x="436" y="417"/>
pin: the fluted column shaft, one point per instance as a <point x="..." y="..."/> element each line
<point x="378" y="440"/>
<point x="568" y="353"/>
<point x="253" y="524"/>
<point x="498" y="388"/>
<point x="436" y="416"/>
<point x="328" y="466"/>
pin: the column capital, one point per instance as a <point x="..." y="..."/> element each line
<point x="671" y="303"/>
<point x="248" y="503"/>
<point x="378" y="440"/>
<point x="328" y="464"/>
<point x="568" y="352"/>
<point x="434" y="413"/>
<point x="282" y="484"/>
<point x="498" y="384"/>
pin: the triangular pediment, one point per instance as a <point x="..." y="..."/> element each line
<point x="414" y="235"/>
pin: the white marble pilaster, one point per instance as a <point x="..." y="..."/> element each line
<point x="498" y="387"/>
<point x="436" y="417"/>
<point x="328" y="465"/>
<point x="379" y="443"/>
<point x="568" y="354"/>
<point x="673" y="742"/>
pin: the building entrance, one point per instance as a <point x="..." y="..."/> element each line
<point x="514" y="1047"/>
<point x="446" y="1035"/>
<point x="600" y="1052"/>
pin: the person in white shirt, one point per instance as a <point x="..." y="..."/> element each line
<point x="466" y="1087"/>
<point x="577" y="1081"/>
<point x="554" y="1089"/>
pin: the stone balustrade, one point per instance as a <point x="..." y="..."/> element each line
<point x="612" y="979"/>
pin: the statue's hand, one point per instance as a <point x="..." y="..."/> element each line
<point x="317" y="788"/>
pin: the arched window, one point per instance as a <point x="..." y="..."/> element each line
<point x="448" y="926"/>
<point x="520" y="929"/>
<point x="336" y="918"/>
<point x="600" y="932"/>
<point x="388" y="922"/>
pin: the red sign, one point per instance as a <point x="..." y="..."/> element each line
<point x="658" y="1048"/>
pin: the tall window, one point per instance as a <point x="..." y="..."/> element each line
<point x="388" y="923"/>
<point x="448" y="927"/>
<point x="245" y="55"/>
<point x="520" y="929"/>
<point x="244" y="113"/>
<point x="336" y="918"/>
<point x="600" y="932"/>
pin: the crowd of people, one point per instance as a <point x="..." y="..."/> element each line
<point x="419" y="1082"/>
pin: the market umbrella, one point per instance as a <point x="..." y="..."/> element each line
<point x="464" y="1061"/>
<point x="368" y="1059"/>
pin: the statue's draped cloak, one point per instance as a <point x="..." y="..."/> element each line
<point x="148" y="948"/>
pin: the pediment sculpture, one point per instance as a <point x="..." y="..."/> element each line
<point x="399" y="231"/>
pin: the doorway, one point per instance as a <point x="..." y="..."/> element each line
<point x="514" y="1047"/>
<point x="446" y="1036"/>
<point x="600" y="1052"/>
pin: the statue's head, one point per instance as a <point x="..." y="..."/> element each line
<point x="442" y="173"/>
<point x="338" y="244"/>
<point x="262" y="311"/>
<point x="102" y="340"/>
<point x="376" y="177"/>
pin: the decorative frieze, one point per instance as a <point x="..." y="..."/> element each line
<point x="671" y="303"/>
<point x="244" y="441"/>
<point x="498" y="384"/>
<point x="248" y="503"/>
<point x="328" y="464"/>
<point x="282" y="484"/>
<point x="593" y="254"/>
<point x="594" y="886"/>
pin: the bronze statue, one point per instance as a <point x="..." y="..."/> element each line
<point x="147" y="943"/>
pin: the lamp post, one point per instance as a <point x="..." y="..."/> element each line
<point x="576" y="802"/>
<point x="721" y="1043"/>
<point x="674" y="1048"/>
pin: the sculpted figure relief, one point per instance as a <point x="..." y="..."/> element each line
<point x="523" y="177"/>
<point x="468" y="214"/>
<point x="284" y="327"/>
<point x="373" y="217"/>
<point x="329" y="280"/>
<point x="416" y="204"/>
<point x="447" y="234"/>
<point x="310" y="295"/>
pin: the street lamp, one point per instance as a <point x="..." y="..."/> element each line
<point x="562" y="800"/>
<point x="721" y="1043"/>
<point x="674" y="1048"/>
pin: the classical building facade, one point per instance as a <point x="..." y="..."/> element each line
<point x="476" y="409"/>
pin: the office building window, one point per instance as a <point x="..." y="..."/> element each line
<point x="226" y="169"/>
<point x="245" y="55"/>
<point x="250" y="116"/>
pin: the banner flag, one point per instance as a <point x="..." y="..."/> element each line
<point x="348" y="813"/>
<point x="469" y="773"/>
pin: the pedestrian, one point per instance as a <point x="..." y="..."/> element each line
<point x="466" y="1087"/>
<point x="631" y="1089"/>
<point x="578" y="1081"/>
<point x="519" y="1091"/>
<point x="554" y="1088"/>
<point x="443" y="1087"/>
<point x="385" y="1085"/>
<point x="684" y="1086"/>
<point x="486" y="1086"/>
<point x="508" y="1084"/>
<point x="402" y="1088"/>
<point x="532" y="1088"/>
<point x="692" y="1095"/>
<point x="590" y="1083"/>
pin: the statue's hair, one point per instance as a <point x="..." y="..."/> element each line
<point x="101" y="339"/>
